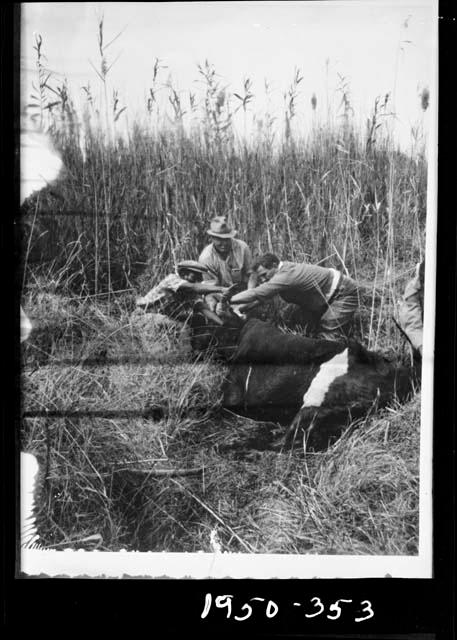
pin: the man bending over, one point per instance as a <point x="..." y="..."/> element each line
<point x="325" y="296"/>
<point x="180" y="295"/>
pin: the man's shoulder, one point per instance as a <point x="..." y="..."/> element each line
<point x="413" y="288"/>
<point x="171" y="281"/>
<point x="291" y="272"/>
<point x="207" y="253"/>
<point x="241" y="244"/>
<point x="304" y="268"/>
<point x="287" y="267"/>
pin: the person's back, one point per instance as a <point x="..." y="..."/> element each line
<point x="411" y="309"/>
<point x="169" y="298"/>
<point x="323" y="297"/>
<point x="302" y="284"/>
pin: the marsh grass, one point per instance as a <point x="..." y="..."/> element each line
<point x="169" y="482"/>
<point x="139" y="190"/>
<point x="136" y="197"/>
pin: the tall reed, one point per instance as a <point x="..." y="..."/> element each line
<point x="134" y="204"/>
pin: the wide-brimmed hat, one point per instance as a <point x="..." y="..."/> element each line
<point x="220" y="228"/>
<point x="192" y="265"/>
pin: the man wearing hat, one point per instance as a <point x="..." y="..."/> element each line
<point x="228" y="259"/>
<point x="179" y="294"/>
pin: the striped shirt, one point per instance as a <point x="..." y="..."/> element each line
<point x="236" y="267"/>
<point x="169" y="298"/>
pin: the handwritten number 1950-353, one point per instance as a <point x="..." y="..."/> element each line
<point x="270" y="609"/>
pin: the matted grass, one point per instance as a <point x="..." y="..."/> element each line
<point x="178" y="480"/>
<point x="120" y="217"/>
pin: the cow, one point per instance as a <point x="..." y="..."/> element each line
<point x="315" y="387"/>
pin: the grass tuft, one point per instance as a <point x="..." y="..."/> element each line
<point x="166" y="483"/>
<point x="145" y="461"/>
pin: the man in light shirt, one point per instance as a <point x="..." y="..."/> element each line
<point x="179" y="295"/>
<point x="325" y="295"/>
<point x="228" y="259"/>
<point x="411" y="311"/>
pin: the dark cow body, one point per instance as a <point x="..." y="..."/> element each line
<point x="261" y="342"/>
<point x="266" y="391"/>
<point x="315" y="386"/>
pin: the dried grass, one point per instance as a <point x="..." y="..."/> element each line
<point x="125" y="211"/>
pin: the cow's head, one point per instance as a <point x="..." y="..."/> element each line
<point x="221" y="339"/>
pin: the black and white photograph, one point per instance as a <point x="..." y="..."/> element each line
<point x="227" y="241"/>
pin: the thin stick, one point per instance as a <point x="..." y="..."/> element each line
<point x="140" y="472"/>
<point x="162" y="472"/>
<point x="30" y="242"/>
<point x="244" y="544"/>
<point x="340" y="259"/>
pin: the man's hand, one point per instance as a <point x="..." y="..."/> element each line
<point x="244" y="308"/>
<point x="142" y="303"/>
<point x="231" y="291"/>
<point x="211" y="302"/>
<point x="221" y="308"/>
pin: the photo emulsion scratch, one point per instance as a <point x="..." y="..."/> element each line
<point x="227" y="303"/>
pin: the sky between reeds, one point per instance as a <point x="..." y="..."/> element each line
<point x="268" y="52"/>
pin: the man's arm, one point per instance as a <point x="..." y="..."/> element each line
<point x="264" y="291"/>
<point x="205" y="259"/>
<point x="247" y="266"/>
<point x="248" y="307"/>
<point x="252" y="282"/>
<point x="211" y="315"/>
<point x="244" y="297"/>
<point x="202" y="287"/>
<point x="210" y="277"/>
<point x="212" y="295"/>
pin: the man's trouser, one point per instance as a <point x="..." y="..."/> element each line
<point x="336" y="321"/>
<point x="333" y="321"/>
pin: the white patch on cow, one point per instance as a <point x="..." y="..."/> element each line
<point x="327" y="373"/>
<point x="29" y="475"/>
<point x="246" y="386"/>
<point x="26" y="326"/>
